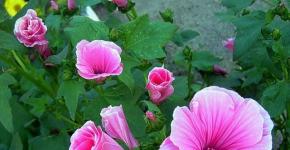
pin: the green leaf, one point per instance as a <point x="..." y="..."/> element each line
<point x="53" y="22"/>
<point x="127" y="77"/>
<point x="83" y="28"/>
<point x="121" y="95"/>
<point x="237" y="5"/>
<point x="275" y="98"/>
<point x="252" y="75"/>
<point x="59" y="142"/>
<point x="203" y="60"/>
<point x="70" y="90"/>
<point x="9" y="42"/>
<point x="38" y="104"/>
<point x="248" y="31"/>
<point x="88" y="2"/>
<point x="6" y="117"/>
<point x="180" y="88"/>
<point x="58" y="58"/>
<point x="16" y="143"/>
<point x="146" y="38"/>
<point x="184" y="36"/>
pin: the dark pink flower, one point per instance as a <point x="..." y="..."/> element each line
<point x="54" y="5"/>
<point x="71" y="4"/>
<point x="160" y="84"/>
<point x="98" y="59"/>
<point x="30" y="30"/>
<point x="90" y="137"/>
<point x="115" y="124"/>
<point x="221" y="119"/>
<point x="43" y="50"/>
<point x="150" y="115"/>
<point x="229" y="44"/>
<point x="120" y="3"/>
<point x="219" y="70"/>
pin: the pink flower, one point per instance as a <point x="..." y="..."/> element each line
<point x="30" y="30"/>
<point x="90" y="137"/>
<point x="98" y="59"/>
<point x="150" y="116"/>
<point x="43" y="50"/>
<point x="71" y="4"/>
<point x="229" y="44"/>
<point x="219" y="70"/>
<point x="221" y="119"/>
<point x="115" y="124"/>
<point x="121" y="3"/>
<point x="54" y="5"/>
<point x="168" y="145"/>
<point x="159" y="84"/>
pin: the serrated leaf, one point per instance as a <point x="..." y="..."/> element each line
<point x="146" y="38"/>
<point x="203" y="60"/>
<point x="6" y="117"/>
<point x="70" y="91"/>
<point x="248" y="31"/>
<point x="81" y="27"/>
<point x="275" y="98"/>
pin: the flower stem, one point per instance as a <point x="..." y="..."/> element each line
<point x="18" y="60"/>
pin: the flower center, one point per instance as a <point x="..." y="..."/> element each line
<point x="17" y="7"/>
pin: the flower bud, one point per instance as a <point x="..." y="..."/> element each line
<point x="167" y="15"/>
<point x="276" y="34"/>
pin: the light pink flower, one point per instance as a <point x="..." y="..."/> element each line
<point x="150" y="115"/>
<point x="98" y="59"/>
<point x="219" y="70"/>
<point x="90" y="137"/>
<point x="71" y="4"/>
<point x="160" y="84"/>
<point x="221" y="119"/>
<point x="54" y="5"/>
<point x="229" y="44"/>
<point x="120" y="3"/>
<point x="30" y="30"/>
<point x="115" y="124"/>
<point x="168" y="145"/>
<point x="43" y="50"/>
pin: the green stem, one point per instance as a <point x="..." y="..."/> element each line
<point x="18" y="60"/>
<point x="40" y="83"/>
<point x="285" y="71"/>
<point x="60" y="116"/>
<point x="189" y="78"/>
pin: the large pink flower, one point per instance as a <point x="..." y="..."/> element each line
<point x="160" y="84"/>
<point x="30" y="30"/>
<point x="98" y="59"/>
<point x="229" y="44"/>
<point x="115" y="124"/>
<point x="220" y="119"/>
<point x="90" y="137"/>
